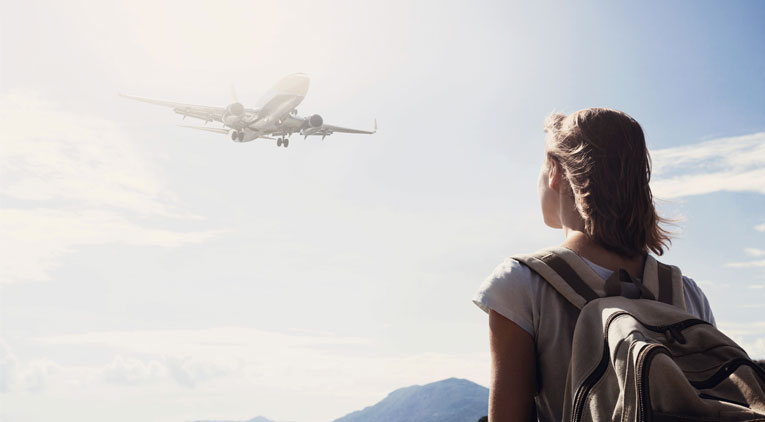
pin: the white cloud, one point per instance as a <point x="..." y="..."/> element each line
<point x="31" y="376"/>
<point x="208" y="344"/>
<point x="132" y="371"/>
<point x="74" y="180"/>
<point x="75" y="157"/>
<point x="749" y="335"/>
<point x="185" y="371"/>
<point x="753" y="252"/>
<point x="746" y="264"/>
<point x="188" y="372"/>
<point x="734" y="164"/>
<point x="313" y="364"/>
<point x="8" y="367"/>
<point x="760" y="227"/>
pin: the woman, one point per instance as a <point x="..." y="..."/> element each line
<point x="594" y="186"/>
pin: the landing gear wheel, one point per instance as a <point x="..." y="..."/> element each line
<point x="234" y="135"/>
<point x="286" y="143"/>
<point x="279" y="142"/>
<point x="241" y="136"/>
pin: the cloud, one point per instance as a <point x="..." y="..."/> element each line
<point x="129" y="371"/>
<point x="75" y="180"/>
<point x="735" y="164"/>
<point x="749" y="335"/>
<point x="208" y="342"/>
<point x="746" y="264"/>
<point x="185" y="371"/>
<point x="753" y="252"/>
<point x="74" y="157"/>
<point x="30" y="377"/>
<point x="318" y="364"/>
<point x="188" y="372"/>
<point x="8" y="367"/>
<point x="760" y="227"/>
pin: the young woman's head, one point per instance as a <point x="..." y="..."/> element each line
<point x="598" y="164"/>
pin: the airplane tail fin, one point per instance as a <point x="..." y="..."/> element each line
<point x="233" y="93"/>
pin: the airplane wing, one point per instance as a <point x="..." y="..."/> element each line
<point x="191" y="110"/>
<point x="209" y="129"/>
<point x="221" y="131"/>
<point x="326" y="130"/>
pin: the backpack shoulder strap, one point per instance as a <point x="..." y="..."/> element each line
<point x="576" y="281"/>
<point x="566" y="272"/>
<point x="664" y="281"/>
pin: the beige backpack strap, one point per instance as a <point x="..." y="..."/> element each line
<point x="576" y="281"/>
<point x="566" y="272"/>
<point x="665" y="281"/>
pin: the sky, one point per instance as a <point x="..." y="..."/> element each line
<point x="155" y="273"/>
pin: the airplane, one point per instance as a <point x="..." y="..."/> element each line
<point x="274" y="117"/>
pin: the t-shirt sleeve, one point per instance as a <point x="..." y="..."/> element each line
<point x="510" y="292"/>
<point x="696" y="302"/>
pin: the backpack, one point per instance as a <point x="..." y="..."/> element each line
<point x="646" y="359"/>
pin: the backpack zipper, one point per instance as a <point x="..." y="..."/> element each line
<point x="727" y="369"/>
<point x="673" y="331"/>
<point x="584" y="389"/>
<point x="594" y="376"/>
<point x="720" y="399"/>
<point x="644" y="363"/>
<point x="643" y="367"/>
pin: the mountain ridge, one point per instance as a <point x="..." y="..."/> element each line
<point x="448" y="400"/>
<point x="255" y="419"/>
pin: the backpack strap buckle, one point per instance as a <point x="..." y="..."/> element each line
<point x="614" y="286"/>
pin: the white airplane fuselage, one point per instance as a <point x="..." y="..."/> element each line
<point x="274" y="110"/>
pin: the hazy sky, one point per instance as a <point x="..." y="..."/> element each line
<point x="156" y="273"/>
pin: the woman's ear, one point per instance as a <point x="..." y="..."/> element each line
<point x="554" y="174"/>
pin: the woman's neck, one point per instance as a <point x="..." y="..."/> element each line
<point x="580" y="243"/>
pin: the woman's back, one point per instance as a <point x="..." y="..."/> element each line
<point x="594" y="186"/>
<point x="523" y="297"/>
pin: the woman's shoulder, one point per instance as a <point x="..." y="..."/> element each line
<point x="696" y="302"/>
<point x="511" y="273"/>
<point x="511" y="290"/>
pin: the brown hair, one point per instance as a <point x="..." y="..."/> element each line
<point x="605" y="159"/>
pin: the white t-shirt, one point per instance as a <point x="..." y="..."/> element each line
<point x="513" y="291"/>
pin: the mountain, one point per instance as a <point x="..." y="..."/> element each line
<point x="255" y="419"/>
<point x="260" y="419"/>
<point x="450" y="400"/>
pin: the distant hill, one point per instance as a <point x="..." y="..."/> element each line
<point x="450" y="400"/>
<point x="255" y="419"/>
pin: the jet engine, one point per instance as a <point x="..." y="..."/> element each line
<point x="233" y="114"/>
<point x="315" y="121"/>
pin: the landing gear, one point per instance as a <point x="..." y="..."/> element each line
<point x="285" y="142"/>
<point x="279" y="142"/>
<point x="241" y="136"/>
<point x="237" y="135"/>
